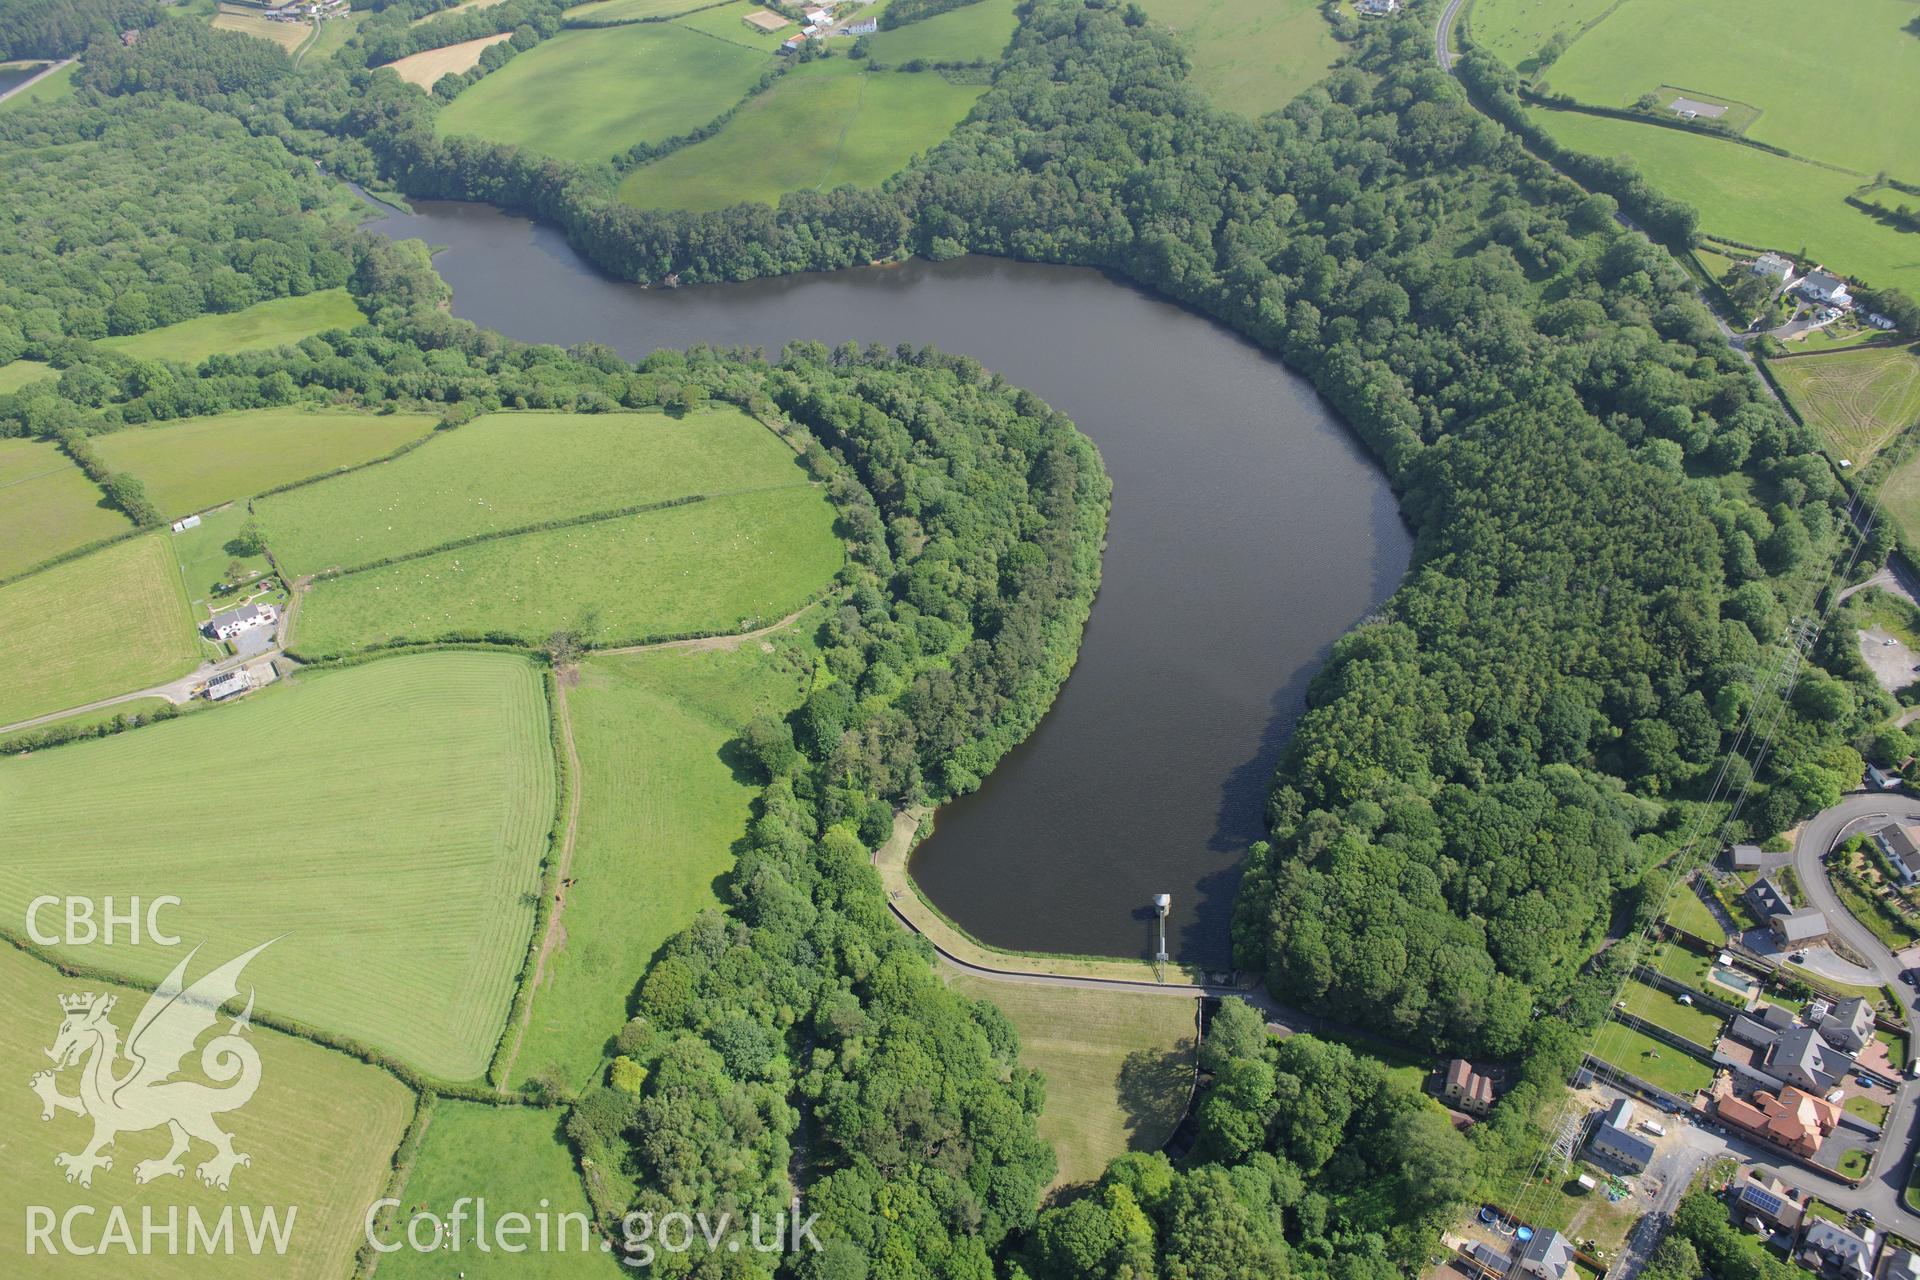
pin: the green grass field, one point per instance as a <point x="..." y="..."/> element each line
<point x="47" y="506"/>
<point x="194" y="463"/>
<point x="204" y="554"/>
<point x="1679" y="963"/>
<point x="320" y="1132"/>
<point x="1251" y="56"/>
<point x="1686" y="911"/>
<point x="978" y="30"/>
<point x="589" y="95"/>
<point x="1119" y="1068"/>
<point x="387" y="819"/>
<point x="1753" y="196"/>
<point x="727" y="22"/>
<point x="1766" y="54"/>
<point x="1514" y="30"/>
<point x="1664" y="1010"/>
<point x="334" y="34"/>
<point x="1658" y="1064"/>
<point x="19" y="373"/>
<point x="1899" y="496"/>
<point x="631" y="10"/>
<point x="464" y="1154"/>
<point x="108" y="623"/>
<point x="854" y="128"/>
<point x="660" y="810"/>
<point x="1857" y="400"/>
<point x="727" y="564"/>
<point x="51" y="89"/>
<point x="273" y="323"/>
<point x="510" y="470"/>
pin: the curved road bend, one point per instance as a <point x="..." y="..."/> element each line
<point x="1883" y="1192"/>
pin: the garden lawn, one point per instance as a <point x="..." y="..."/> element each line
<point x="1686" y="911"/>
<point x="1679" y="963"/>
<point x="47" y="506"/>
<point x="630" y="10"/>
<point x="1753" y="196"/>
<point x="660" y="812"/>
<point x="854" y="127"/>
<point x="1664" y="1010"/>
<point x="978" y="30"/>
<point x="273" y="323"/>
<point x="1119" y="1067"/>
<point x="195" y="463"/>
<point x="320" y="1132"/>
<point x="1252" y="56"/>
<point x="511" y="470"/>
<point x="589" y="95"/>
<point x="516" y="1159"/>
<point x="385" y="822"/>
<point x="110" y="622"/>
<point x="1514" y="30"/>
<point x="1658" y="1064"/>
<point x="1867" y="1109"/>
<point x="204" y="556"/>
<point x="723" y="565"/>
<point x="1857" y="400"/>
<point x="1764" y="53"/>
<point x="19" y="373"/>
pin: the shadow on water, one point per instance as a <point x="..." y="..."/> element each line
<point x="1249" y="530"/>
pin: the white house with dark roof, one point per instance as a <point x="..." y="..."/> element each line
<point x="1900" y="842"/>
<point x="1823" y="286"/>
<point x="225" y="626"/>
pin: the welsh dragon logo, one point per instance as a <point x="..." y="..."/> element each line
<point x="132" y="1088"/>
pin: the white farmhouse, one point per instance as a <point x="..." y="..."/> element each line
<point x="225" y="626"/>
<point x="1824" y="287"/>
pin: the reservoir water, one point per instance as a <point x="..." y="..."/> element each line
<point x="1249" y="531"/>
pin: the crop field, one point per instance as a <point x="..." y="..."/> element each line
<point x="978" y="30"/>
<point x="108" y="623"/>
<point x="511" y="470"/>
<point x="726" y="564"/>
<point x="426" y="67"/>
<point x="1753" y="196"/>
<point x="462" y="1156"/>
<point x="1858" y="400"/>
<point x="193" y="463"/>
<point x="1250" y="56"/>
<point x="1766" y="54"/>
<point x="385" y="822"/>
<point x="631" y="10"/>
<point x="467" y="6"/>
<point x="288" y="35"/>
<point x="589" y="95"/>
<point x="660" y="810"/>
<point x="1514" y="30"/>
<point x="320" y="1133"/>
<point x="204" y="554"/>
<point x="273" y="323"/>
<point x="47" y="506"/>
<point x="19" y="373"/>
<point x="1658" y="1064"/>
<point x="1119" y="1068"/>
<point x="861" y="129"/>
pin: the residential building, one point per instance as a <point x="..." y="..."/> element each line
<point x="1800" y="1057"/>
<point x="1800" y="928"/>
<point x="1848" y="1026"/>
<point x="1614" y="1139"/>
<point x="1838" y="1253"/>
<point x="1898" y="1262"/>
<point x="1773" y="266"/>
<point x="1548" y="1256"/>
<point x="1377" y="8"/>
<point x="864" y="27"/>
<point x="1489" y="1262"/>
<point x="1822" y="286"/>
<point x="1900" y="842"/>
<point x="1766" y="1206"/>
<point x="1793" y="1120"/>
<point x="231" y="684"/>
<point x="225" y="626"/>
<point x="1768" y="899"/>
<point x="1465" y="1089"/>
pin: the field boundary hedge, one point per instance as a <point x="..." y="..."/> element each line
<point x="402" y="451"/>
<point x="589" y="25"/>
<point x="400" y="1171"/>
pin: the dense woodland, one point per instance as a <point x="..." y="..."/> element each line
<point x="1614" y="527"/>
<point x="61" y="28"/>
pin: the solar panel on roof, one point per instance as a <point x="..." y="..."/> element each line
<point x="1765" y="1201"/>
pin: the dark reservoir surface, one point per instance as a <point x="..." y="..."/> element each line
<point x="1249" y="531"/>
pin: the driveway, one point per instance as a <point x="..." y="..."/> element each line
<point x="1892" y="663"/>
